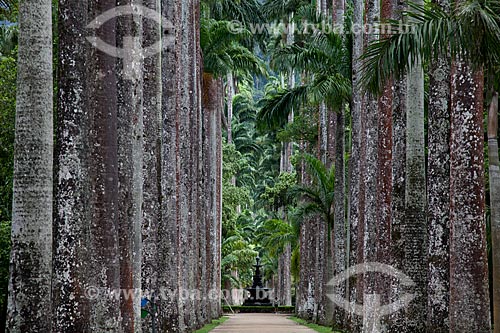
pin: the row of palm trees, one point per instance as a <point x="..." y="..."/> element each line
<point x="415" y="192"/>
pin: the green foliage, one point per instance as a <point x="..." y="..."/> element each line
<point x="8" y="10"/>
<point x="8" y="72"/>
<point x="316" y="327"/>
<point x="304" y="127"/>
<point x="275" y="234"/>
<point x="4" y="261"/>
<point x="278" y="195"/>
<point x="316" y="198"/>
<point x="223" y="51"/>
<point x="209" y="327"/>
<point x="472" y="31"/>
<point x="8" y="41"/>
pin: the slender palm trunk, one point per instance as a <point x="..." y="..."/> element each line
<point x="469" y="298"/>
<point x="494" y="169"/>
<point x="31" y="256"/>
<point x="438" y="185"/>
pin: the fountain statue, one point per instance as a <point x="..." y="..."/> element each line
<point x="259" y="295"/>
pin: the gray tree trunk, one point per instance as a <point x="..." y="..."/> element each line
<point x="71" y="307"/>
<point x="384" y="182"/>
<point x="29" y="300"/>
<point x="494" y="170"/>
<point x="339" y="234"/>
<point x="130" y="171"/>
<point x="170" y="317"/>
<point x="369" y="167"/>
<point x="356" y="187"/>
<point x="469" y="296"/>
<point x="414" y="228"/>
<point x="103" y="176"/>
<point x="151" y="165"/>
<point x="438" y="187"/>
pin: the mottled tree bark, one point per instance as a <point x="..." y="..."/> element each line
<point x="170" y="318"/>
<point x="396" y="320"/>
<point x="469" y="298"/>
<point x="151" y="165"/>
<point x="384" y="182"/>
<point x="70" y="276"/>
<point x="339" y="234"/>
<point x="368" y="242"/>
<point x="130" y="168"/>
<point x="494" y="170"/>
<point x="414" y="227"/>
<point x="212" y="104"/>
<point x="438" y="189"/>
<point x="103" y="177"/>
<point x="355" y="212"/>
<point x="29" y="300"/>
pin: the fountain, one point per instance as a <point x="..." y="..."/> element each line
<point x="259" y="295"/>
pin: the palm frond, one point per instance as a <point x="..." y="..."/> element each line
<point x="275" y="108"/>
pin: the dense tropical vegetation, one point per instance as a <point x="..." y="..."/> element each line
<point x="137" y="191"/>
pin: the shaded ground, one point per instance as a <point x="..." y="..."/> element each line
<point x="261" y="323"/>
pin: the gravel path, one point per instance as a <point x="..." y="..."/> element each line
<point x="260" y="323"/>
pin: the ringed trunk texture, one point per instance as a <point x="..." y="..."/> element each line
<point x="414" y="227"/>
<point x="469" y="296"/>
<point x="29" y="300"/>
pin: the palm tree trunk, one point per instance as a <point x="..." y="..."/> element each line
<point x="438" y="185"/>
<point x="339" y="235"/>
<point x="367" y="245"/>
<point x="469" y="297"/>
<point x="384" y="185"/>
<point x="31" y="255"/>
<point x="494" y="169"/>
<point x="103" y="174"/>
<point x="414" y="228"/>
<point x="356" y="186"/>
<point x="70" y="307"/>
<point x="151" y="166"/>
<point x="212" y="105"/>
<point x="169" y="313"/>
<point x="130" y="174"/>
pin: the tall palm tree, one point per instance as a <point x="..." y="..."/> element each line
<point x="437" y="33"/>
<point x="31" y="257"/>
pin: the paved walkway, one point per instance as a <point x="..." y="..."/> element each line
<point x="261" y="323"/>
